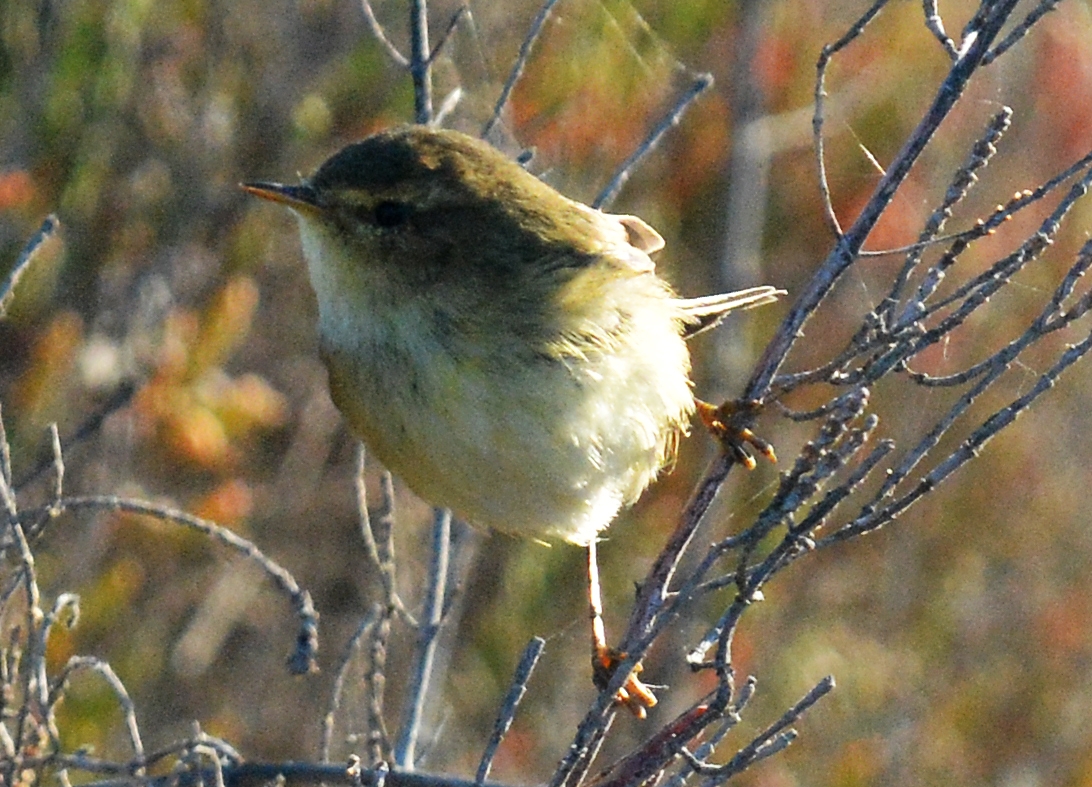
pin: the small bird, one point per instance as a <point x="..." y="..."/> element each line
<point x="508" y="352"/>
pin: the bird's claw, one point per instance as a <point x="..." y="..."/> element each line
<point x="735" y="439"/>
<point x="634" y="694"/>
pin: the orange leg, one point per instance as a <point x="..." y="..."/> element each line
<point x="634" y="694"/>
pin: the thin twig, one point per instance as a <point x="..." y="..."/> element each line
<point x="989" y="280"/>
<point x="291" y="774"/>
<point x="817" y="462"/>
<point x="871" y="518"/>
<point x="58" y="463"/>
<point x="351" y="652"/>
<point x="378" y="535"/>
<point x="981" y="154"/>
<point x="773" y="739"/>
<point x="116" y="401"/>
<point x="849" y="245"/>
<point x="34" y="688"/>
<point x="1051" y="319"/>
<point x="508" y="708"/>
<point x="819" y="115"/>
<point x="935" y="26"/>
<point x="7" y="490"/>
<point x="702" y="82"/>
<point x="379" y="742"/>
<point x="224" y="750"/>
<point x="1020" y="30"/>
<point x="106" y="672"/>
<point x="732" y="717"/>
<point x="26" y="257"/>
<point x="381" y="35"/>
<point x="655" y="754"/>
<point x="514" y="75"/>
<point x="420" y="63"/>
<point x="894" y="340"/>
<point x="303" y="658"/>
<point x="427" y="636"/>
<point x="646" y="612"/>
<point x="460" y="12"/>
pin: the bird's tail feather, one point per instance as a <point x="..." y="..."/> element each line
<point x="705" y="312"/>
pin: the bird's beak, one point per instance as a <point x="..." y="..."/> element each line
<point x="301" y="198"/>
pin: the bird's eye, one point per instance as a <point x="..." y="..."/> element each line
<point x="391" y="214"/>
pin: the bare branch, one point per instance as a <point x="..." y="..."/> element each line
<point x="533" y="33"/>
<point x="702" y="82"/>
<point x="712" y="739"/>
<point x="378" y="536"/>
<point x="7" y="491"/>
<point x="818" y="118"/>
<point x="964" y="180"/>
<point x="420" y="62"/>
<point x="106" y="672"/>
<point x="117" y="400"/>
<point x="427" y="633"/>
<point x="841" y="464"/>
<point x="849" y="245"/>
<point x="460" y="12"/>
<point x="775" y="737"/>
<point x="871" y="519"/>
<point x="1020" y="30"/>
<point x="381" y="35"/>
<point x="303" y="658"/>
<point x="936" y="26"/>
<point x="58" y="463"/>
<point x="295" y="774"/>
<point x="660" y="750"/>
<point x="376" y="724"/>
<point x="511" y="702"/>
<point x="34" y="685"/>
<point x="26" y="257"/>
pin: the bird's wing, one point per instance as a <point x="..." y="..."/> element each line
<point x="626" y="241"/>
<point x="639" y="234"/>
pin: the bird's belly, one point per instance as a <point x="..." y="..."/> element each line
<point x="538" y="448"/>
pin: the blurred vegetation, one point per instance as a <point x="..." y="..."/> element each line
<point x="961" y="638"/>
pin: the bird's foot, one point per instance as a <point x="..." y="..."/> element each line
<point x="735" y="440"/>
<point x="634" y="694"/>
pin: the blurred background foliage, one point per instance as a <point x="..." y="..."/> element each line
<point x="961" y="638"/>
